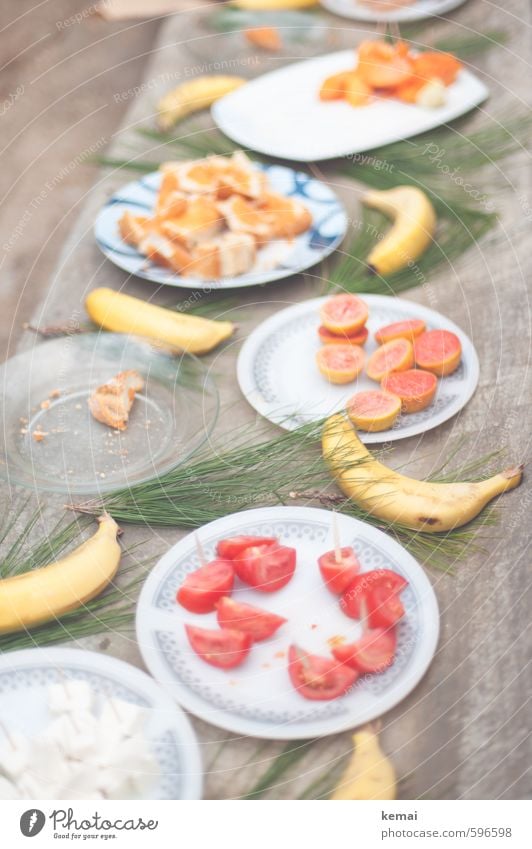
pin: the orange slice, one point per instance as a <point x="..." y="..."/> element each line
<point x="382" y="65"/>
<point x="333" y="88"/>
<point x="442" y="66"/>
<point x="340" y="363"/>
<point x="409" y="329"/>
<point x="344" y="314"/>
<point x="397" y="355"/>
<point x="415" y="388"/>
<point x="268" y="38"/>
<point x="373" y="410"/>
<point x="328" y="338"/>
<point x="357" y="91"/>
<point x="438" y="351"/>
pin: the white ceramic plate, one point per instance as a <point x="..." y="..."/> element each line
<point x="26" y="675"/>
<point x="418" y="11"/>
<point x="280" y="114"/>
<point x="257" y="697"/>
<point x="275" y="261"/>
<point x="277" y="369"/>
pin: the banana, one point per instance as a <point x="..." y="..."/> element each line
<point x="265" y="5"/>
<point x="125" y="314"/>
<point x="414" y="225"/>
<point x="41" y="595"/>
<point x="393" y="497"/>
<point x="369" y="774"/>
<point x="193" y="96"/>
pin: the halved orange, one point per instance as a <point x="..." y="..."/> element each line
<point x="415" y="388"/>
<point x="328" y="338"/>
<point x="344" y="313"/>
<point x="438" y="351"/>
<point x="340" y="363"/>
<point x="397" y="355"/>
<point x="373" y="410"/>
<point x="408" y="329"/>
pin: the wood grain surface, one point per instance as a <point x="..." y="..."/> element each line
<point x="465" y="732"/>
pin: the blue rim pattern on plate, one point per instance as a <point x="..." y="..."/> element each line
<point x="327" y="231"/>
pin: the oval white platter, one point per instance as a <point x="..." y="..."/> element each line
<point x="417" y="11"/>
<point x="280" y="114"/>
<point x="257" y="697"/>
<point x="25" y="676"/>
<point x="275" y="261"/>
<point x="278" y="375"/>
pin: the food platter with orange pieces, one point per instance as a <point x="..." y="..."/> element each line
<point x="390" y="10"/>
<point x="220" y="222"/>
<point x="284" y="113"/>
<point x="397" y="368"/>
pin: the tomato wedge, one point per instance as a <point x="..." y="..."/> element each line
<point x="319" y="678"/>
<point x="222" y="648"/>
<point x="354" y="599"/>
<point x="266" y="568"/>
<point x="200" y="590"/>
<point x="384" y="608"/>
<point x="374" y="652"/>
<point x="259" y="624"/>
<point x="232" y="547"/>
<point x="339" y="574"/>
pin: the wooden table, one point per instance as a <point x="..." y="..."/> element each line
<point x="465" y="731"/>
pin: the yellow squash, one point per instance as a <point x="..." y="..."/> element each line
<point x="125" y="314"/>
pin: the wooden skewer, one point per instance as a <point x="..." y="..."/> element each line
<point x="199" y="549"/>
<point x="336" y="539"/>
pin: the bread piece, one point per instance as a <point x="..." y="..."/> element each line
<point x="111" y="402"/>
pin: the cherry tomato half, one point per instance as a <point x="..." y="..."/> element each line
<point x="266" y="568"/>
<point x="232" y="547"/>
<point x="259" y="624"/>
<point x="319" y="678"/>
<point x="384" y="608"/>
<point x="374" y="652"/>
<point x="200" y="590"/>
<point x="223" y="648"/>
<point x="339" y="574"/>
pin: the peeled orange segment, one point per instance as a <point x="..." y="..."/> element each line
<point x="409" y="329"/>
<point x="397" y="355"/>
<point x="357" y="91"/>
<point x="328" y="338"/>
<point x="441" y="66"/>
<point x="344" y="313"/>
<point x="382" y="65"/>
<point x="373" y="410"/>
<point x="333" y="88"/>
<point x="438" y="351"/>
<point x="415" y="388"/>
<point x="340" y="363"/>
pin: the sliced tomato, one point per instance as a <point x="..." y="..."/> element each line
<point x="384" y="608"/>
<point x="354" y="598"/>
<point x="338" y="574"/>
<point x="374" y="652"/>
<point x="200" y="590"/>
<point x="319" y="678"/>
<point x="266" y="568"/>
<point x="259" y="624"/>
<point x="233" y="547"/>
<point x="223" y="648"/>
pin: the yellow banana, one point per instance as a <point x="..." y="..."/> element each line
<point x="393" y="497"/>
<point x="369" y="774"/>
<point x="412" y="231"/>
<point x="44" y="594"/>
<point x="125" y="314"/>
<point x="193" y="96"/>
<point x="265" y="5"/>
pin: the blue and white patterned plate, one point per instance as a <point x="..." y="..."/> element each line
<point x="277" y="369"/>
<point x="26" y="675"/>
<point x="257" y="697"/>
<point x="274" y="262"/>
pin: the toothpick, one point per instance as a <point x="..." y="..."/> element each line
<point x="200" y="551"/>
<point x="336" y="539"/>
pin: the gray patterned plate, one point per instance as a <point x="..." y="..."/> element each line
<point x="277" y="369"/>
<point x="275" y="261"/>
<point x="257" y="697"/>
<point x="26" y="675"/>
<point x="419" y="10"/>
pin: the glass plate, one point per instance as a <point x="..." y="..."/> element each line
<point x="46" y="389"/>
